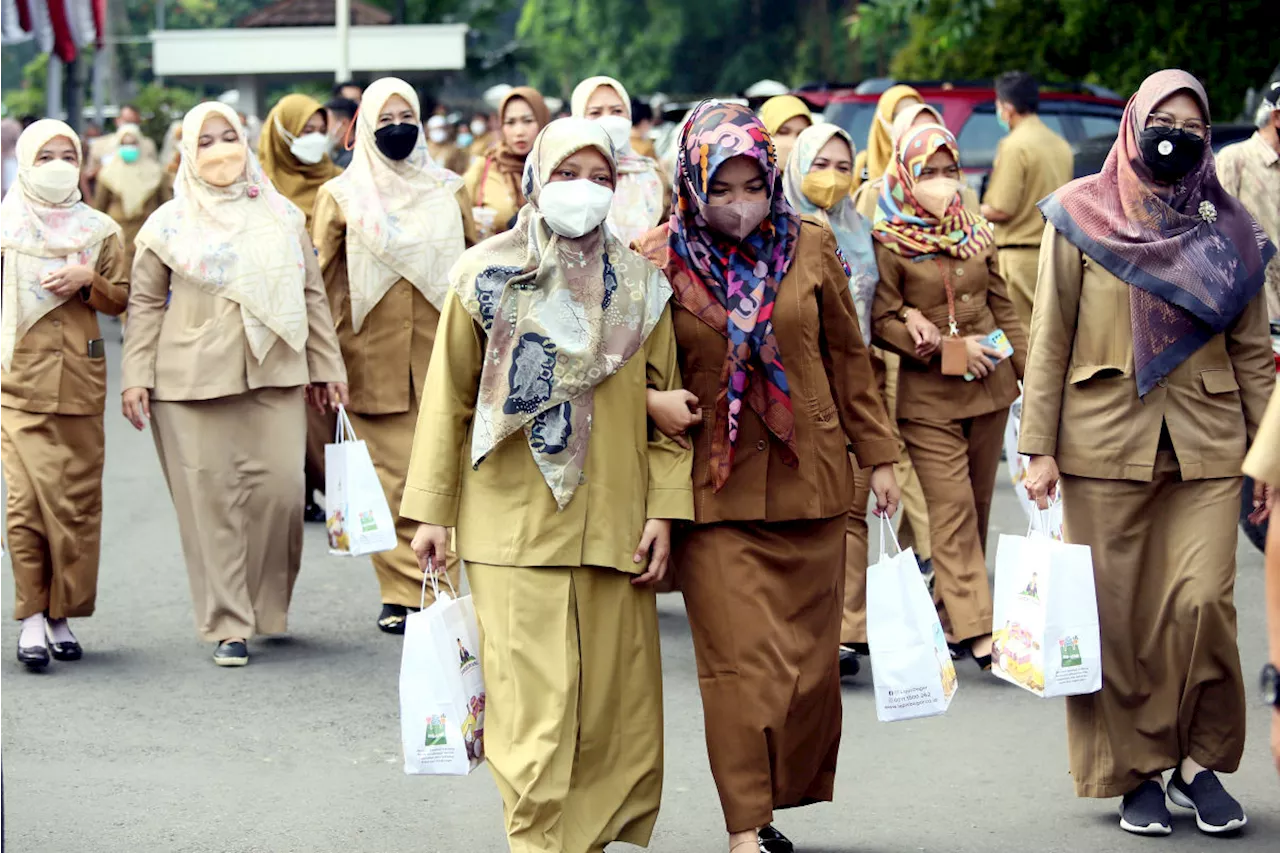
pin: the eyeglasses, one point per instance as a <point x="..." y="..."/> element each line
<point x="1195" y="127"/>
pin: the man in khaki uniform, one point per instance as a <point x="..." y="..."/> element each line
<point x="1250" y="171"/>
<point x="1031" y="162"/>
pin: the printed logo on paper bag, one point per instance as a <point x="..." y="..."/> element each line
<point x="1070" y="649"/>
<point x="946" y="666"/>
<point x="1032" y="590"/>
<point x="467" y="661"/>
<point x="435" y="731"/>
<point x="473" y="728"/>
<point x="367" y="522"/>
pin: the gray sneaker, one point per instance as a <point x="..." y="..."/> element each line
<point x="1143" y="812"/>
<point x="1217" y="812"/>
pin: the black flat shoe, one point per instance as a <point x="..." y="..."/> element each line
<point x="772" y="841"/>
<point x="1217" y="812"/>
<point x="33" y="657"/>
<point x="313" y="513"/>
<point x="849" y="663"/>
<point x="231" y="653"/>
<point x="69" y="650"/>
<point x="391" y="619"/>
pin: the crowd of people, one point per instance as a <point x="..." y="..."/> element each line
<point x="694" y="380"/>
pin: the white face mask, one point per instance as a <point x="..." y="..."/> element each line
<point x="438" y="135"/>
<point x="310" y="148"/>
<point x="54" y="182"/>
<point x="574" y="208"/>
<point x="479" y="128"/>
<point x="619" y="130"/>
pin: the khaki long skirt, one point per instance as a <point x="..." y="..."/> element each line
<point x="764" y="602"/>
<point x="53" y="470"/>
<point x="234" y="469"/>
<point x="1164" y="561"/>
<point x="573" y="711"/>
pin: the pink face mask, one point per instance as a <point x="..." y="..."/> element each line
<point x="736" y="219"/>
<point x="936" y="195"/>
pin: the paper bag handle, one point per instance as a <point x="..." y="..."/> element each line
<point x="1042" y="515"/>
<point x="343" y="430"/>
<point x="887" y="534"/>
<point x="431" y="575"/>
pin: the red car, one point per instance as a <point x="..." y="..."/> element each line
<point x="1076" y="112"/>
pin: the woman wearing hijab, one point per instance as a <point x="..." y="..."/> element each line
<point x="494" y="180"/>
<point x="911" y="116"/>
<point x="388" y="231"/>
<point x="640" y="200"/>
<point x="1150" y="373"/>
<point x="534" y="417"/>
<point x="63" y="262"/>
<point x="228" y="325"/>
<point x="877" y="158"/>
<point x="940" y="297"/>
<point x="785" y="117"/>
<point x="131" y="186"/>
<point x="761" y="568"/>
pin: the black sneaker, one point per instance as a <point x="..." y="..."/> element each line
<point x="926" y="571"/>
<point x="772" y="841"/>
<point x="231" y="654"/>
<point x="850" y="665"/>
<point x="1216" y="811"/>
<point x="1143" y="812"/>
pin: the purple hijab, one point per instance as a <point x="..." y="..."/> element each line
<point x="1193" y="261"/>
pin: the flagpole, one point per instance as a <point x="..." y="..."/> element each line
<point x="342" y="22"/>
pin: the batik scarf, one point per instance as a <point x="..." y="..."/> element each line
<point x="732" y="286"/>
<point x="560" y="317"/>
<point x="37" y="238"/>
<point x="904" y="227"/>
<point x="403" y="219"/>
<point x="853" y="232"/>
<point x="1194" y="258"/>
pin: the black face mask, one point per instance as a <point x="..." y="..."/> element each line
<point x="397" y="141"/>
<point x="1170" y="154"/>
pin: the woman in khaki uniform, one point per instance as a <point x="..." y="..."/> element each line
<point x="762" y="567"/>
<point x="63" y="262"/>
<point x="940" y="296"/>
<point x="228" y="324"/>
<point x="1150" y="371"/>
<point x="532" y="441"/>
<point x="494" y="181"/>
<point x="131" y="186"/>
<point x="388" y="231"/>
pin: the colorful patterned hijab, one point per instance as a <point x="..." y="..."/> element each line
<point x="1193" y="260"/>
<point x="904" y="227"/>
<point x="560" y="316"/>
<point x="732" y="286"/>
<point x="853" y="232"/>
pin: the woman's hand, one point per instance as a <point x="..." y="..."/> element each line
<point x="430" y="544"/>
<point x="325" y="396"/>
<point x="68" y="280"/>
<point x="927" y="336"/>
<point x="1042" y="480"/>
<point x="136" y="406"/>
<point x="1264" y="500"/>
<point x="655" y="541"/>
<point x="884" y="485"/>
<point x="673" y="412"/>
<point x="980" y="356"/>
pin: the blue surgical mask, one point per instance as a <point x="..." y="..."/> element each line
<point x="129" y="153"/>
<point x="464" y="139"/>
<point x="1002" y="121"/>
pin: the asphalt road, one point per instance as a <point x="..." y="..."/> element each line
<point x="146" y="746"/>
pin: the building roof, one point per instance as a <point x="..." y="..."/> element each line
<point x="313" y="13"/>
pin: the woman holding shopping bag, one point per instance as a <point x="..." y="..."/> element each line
<point x="1151" y="368"/>
<point x="758" y="287"/>
<point x="388" y="230"/>
<point x="228" y="326"/>
<point x="532" y="441"/>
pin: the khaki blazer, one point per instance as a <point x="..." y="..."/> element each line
<point x="982" y="306"/>
<point x="1081" y="404"/>
<point x="110" y="204"/>
<point x="195" y="348"/>
<point x="834" y="395"/>
<point x="503" y="510"/>
<point x="52" y="371"/>
<point x="391" y="352"/>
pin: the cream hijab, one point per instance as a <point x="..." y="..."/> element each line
<point x="133" y="183"/>
<point x="37" y="238"/>
<point x="403" y="219"/>
<point x="242" y="242"/>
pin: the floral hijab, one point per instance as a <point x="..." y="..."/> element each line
<point x="904" y="227"/>
<point x="560" y="316"/>
<point x="732" y="286"/>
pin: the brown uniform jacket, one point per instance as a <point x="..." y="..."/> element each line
<point x="982" y="306"/>
<point x="488" y="187"/>
<point x="52" y="371"/>
<point x="391" y="351"/>
<point x="834" y="395"/>
<point x="1080" y="403"/>
<point x="195" y="348"/>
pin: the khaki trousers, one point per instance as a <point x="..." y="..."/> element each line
<point x="234" y="469"/>
<point x="957" y="463"/>
<point x="573" y="711"/>
<point x="853" y="622"/>
<point x="1164" y="562"/>
<point x="913" y="530"/>
<point x="53" y="470"/>
<point x="1020" y="268"/>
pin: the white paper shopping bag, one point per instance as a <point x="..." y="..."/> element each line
<point x="1045" y="616"/>
<point x="1051" y="519"/>
<point x="911" y="665"/>
<point x="441" y="687"/>
<point x="357" y="516"/>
